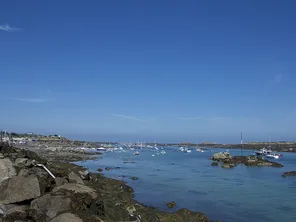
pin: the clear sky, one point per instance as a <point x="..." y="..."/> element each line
<point x="159" y="70"/>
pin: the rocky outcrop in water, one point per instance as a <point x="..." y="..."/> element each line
<point x="227" y="161"/>
<point x="29" y="193"/>
<point x="290" y="173"/>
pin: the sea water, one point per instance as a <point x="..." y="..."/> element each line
<point x="238" y="194"/>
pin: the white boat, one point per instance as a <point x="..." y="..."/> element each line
<point x="136" y="153"/>
<point x="273" y="155"/>
<point x="163" y="152"/>
<point x="188" y="151"/>
<point x="181" y="149"/>
<point x="200" y="150"/>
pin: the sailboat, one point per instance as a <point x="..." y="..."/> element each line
<point x="199" y="149"/>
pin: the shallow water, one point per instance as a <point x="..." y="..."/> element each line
<point x="237" y="194"/>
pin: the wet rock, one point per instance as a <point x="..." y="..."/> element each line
<point x="60" y="181"/>
<point x="6" y="169"/>
<point x="290" y="173"/>
<point x="18" y="212"/>
<point x="228" y="165"/>
<point x="183" y="215"/>
<point x="84" y="174"/>
<point x="20" y="162"/>
<point x="171" y="204"/>
<point x="221" y="156"/>
<point x="1" y="156"/>
<point x="47" y="207"/>
<point x="76" y="188"/>
<point x="215" y="163"/>
<point x="74" y="178"/>
<point x="18" y="189"/>
<point x="99" y="170"/>
<point x="108" y="168"/>
<point x="67" y="217"/>
<point x="134" y="178"/>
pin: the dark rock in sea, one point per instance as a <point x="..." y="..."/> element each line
<point x="108" y="168"/>
<point x="229" y="162"/>
<point x="117" y="168"/>
<point x="171" y="204"/>
<point x="134" y="178"/>
<point x="290" y="173"/>
<point x="215" y="163"/>
<point x="228" y="165"/>
<point x="99" y="170"/>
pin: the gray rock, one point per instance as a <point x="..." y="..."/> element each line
<point x="47" y="207"/>
<point x="60" y="181"/>
<point x="76" y="188"/>
<point x="20" y="162"/>
<point x="221" y="156"/>
<point x="84" y="174"/>
<point x="227" y="165"/>
<point x="74" y="178"/>
<point x="18" y="212"/>
<point x="30" y="163"/>
<point x="67" y="217"/>
<point x="1" y="156"/>
<point x="5" y="207"/>
<point x="6" y="169"/>
<point x="18" y="188"/>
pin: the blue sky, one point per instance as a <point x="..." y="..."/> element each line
<point x="149" y="70"/>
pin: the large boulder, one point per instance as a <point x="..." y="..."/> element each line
<point x="76" y="188"/>
<point x="6" y="169"/>
<point x="47" y="207"/>
<point x="60" y="181"/>
<point x="18" y="189"/>
<point x="74" y="178"/>
<point x="16" y="213"/>
<point x="67" y="217"/>
<point x="222" y="156"/>
<point x="84" y="174"/>
<point x="20" y="162"/>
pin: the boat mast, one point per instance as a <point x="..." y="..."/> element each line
<point x="241" y="144"/>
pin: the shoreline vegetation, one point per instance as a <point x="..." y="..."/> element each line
<point x="29" y="193"/>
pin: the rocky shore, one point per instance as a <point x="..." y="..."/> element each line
<point x="227" y="161"/>
<point x="34" y="188"/>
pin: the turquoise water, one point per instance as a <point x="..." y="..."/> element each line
<point x="237" y="194"/>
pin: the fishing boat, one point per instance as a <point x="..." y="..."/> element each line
<point x="273" y="155"/>
<point x="268" y="153"/>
